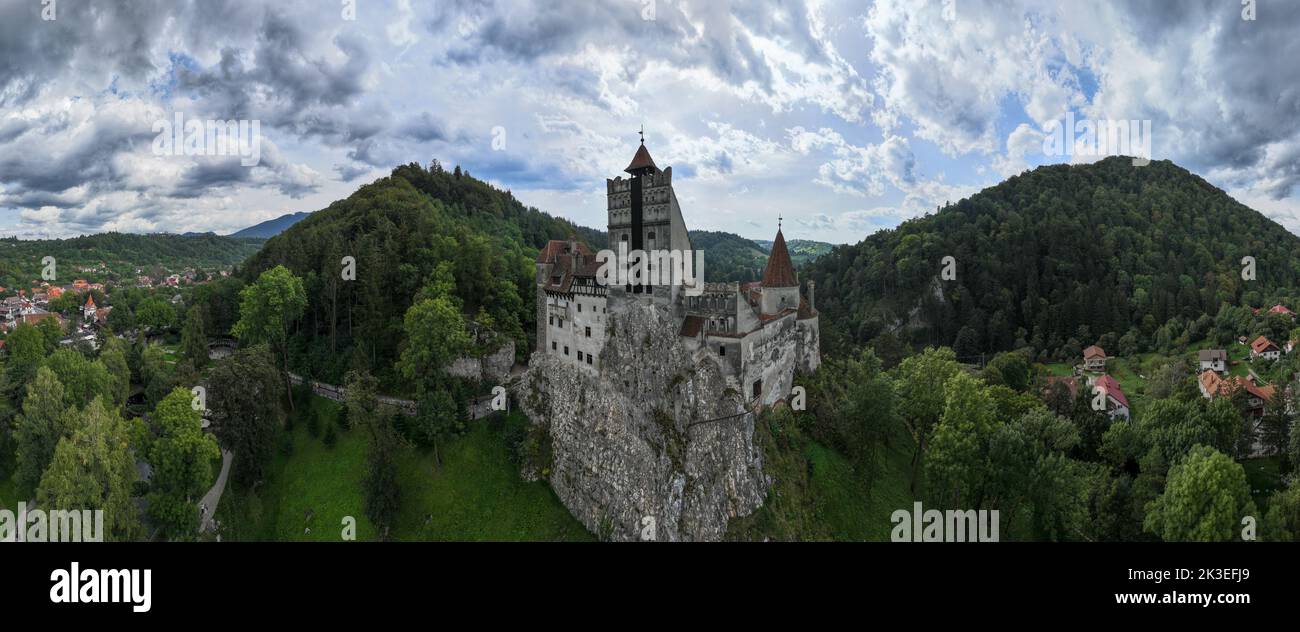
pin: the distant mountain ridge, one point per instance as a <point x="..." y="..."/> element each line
<point x="730" y="257"/>
<point x="1059" y="258"/>
<point x="801" y="250"/>
<point x="271" y="227"/>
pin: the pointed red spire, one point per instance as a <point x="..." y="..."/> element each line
<point x="640" y="161"/>
<point x="779" y="271"/>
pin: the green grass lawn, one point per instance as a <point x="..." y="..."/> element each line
<point x="818" y="494"/>
<point x="477" y="494"/>
<point x="849" y="509"/>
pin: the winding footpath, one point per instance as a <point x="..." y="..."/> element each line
<point x="208" y="506"/>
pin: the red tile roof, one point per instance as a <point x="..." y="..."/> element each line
<point x="641" y="160"/>
<point x="1111" y="388"/>
<point x="1094" y="352"/>
<point x="779" y="271"/>
<point x="557" y="253"/>
<point x="1261" y="344"/>
<point x="1281" y="309"/>
<point x="556" y="247"/>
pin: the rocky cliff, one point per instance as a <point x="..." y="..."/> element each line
<point x="492" y="367"/>
<point x="628" y="449"/>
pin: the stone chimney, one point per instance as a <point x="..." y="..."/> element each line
<point x="573" y="256"/>
<point x="812" y="294"/>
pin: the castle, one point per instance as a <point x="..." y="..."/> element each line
<point x="761" y="333"/>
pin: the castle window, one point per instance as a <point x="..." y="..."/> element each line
<point x="758" y="388"/>
<point x="566" y="349"/>
<point x="550" y="320"/>
<point x="722" y="351"/>
<point x="561" y="325"/>
<point x="579" y="307"/>
<point x="589" y="332"/>
<point x="588" y="358"/>
<point x="552" y="345"/>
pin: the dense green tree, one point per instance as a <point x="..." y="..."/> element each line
<point x="382" y="493"/>
<point x="267" y="310"/>
<point x="45" y="420"/>
<point x="113" y="355"/>
<point x="154" y="374"/>
<point x="435" y="336"/>
<point x="245" y="394"/>
<point x="93" y="469"/>
<point x="182" y="457"/>
<point x="1009" y="369"/>
<point x="194" y="343"/>
<point x="1282" y="521"/>
<point x="121" y="319"/>
<point x="51" y="332"/>
<point x="361" y="404"/>
<point x="957" y="458"/>
<point x="26" y="351"/>
<point x="437" y="418"/>
<point x="83" y="379"/>
<point x="1206" y="497"/>
<point x="1030" y="474"/>
<point x="155" y="313"/>
<point x="919" y="383"/>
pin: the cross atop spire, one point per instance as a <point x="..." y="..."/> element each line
<point x="778" y="222"/>
<point x="642" y="133"/>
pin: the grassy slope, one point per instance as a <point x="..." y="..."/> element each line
<point x="476" y="495"/>
<point x="818" y="494"/>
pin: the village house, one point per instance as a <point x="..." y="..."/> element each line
<point x="1264" y="348"/>
<point x="1094" y="359"/>
<point x="1212" y="360"/>
<point x="1278" y="309"/>
<point x="1116" y="402"/>
<point x="1212" y="386"/>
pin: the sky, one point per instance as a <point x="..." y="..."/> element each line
<point x="843" y="118"/>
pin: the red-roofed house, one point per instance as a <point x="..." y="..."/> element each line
<point x="1094" y="358"/>
<point x="1116" y="402"/>
<point x="1212" y="386"/>
<point x="1281" y="309"/>
<point x="1264" y="348"/>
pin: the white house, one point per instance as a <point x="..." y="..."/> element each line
<point x="1213" y="360"/>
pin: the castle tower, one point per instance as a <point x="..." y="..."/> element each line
<point x="88" y="310"/>
<point x="643" y="209"/>
<point x="780" y="285"/>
